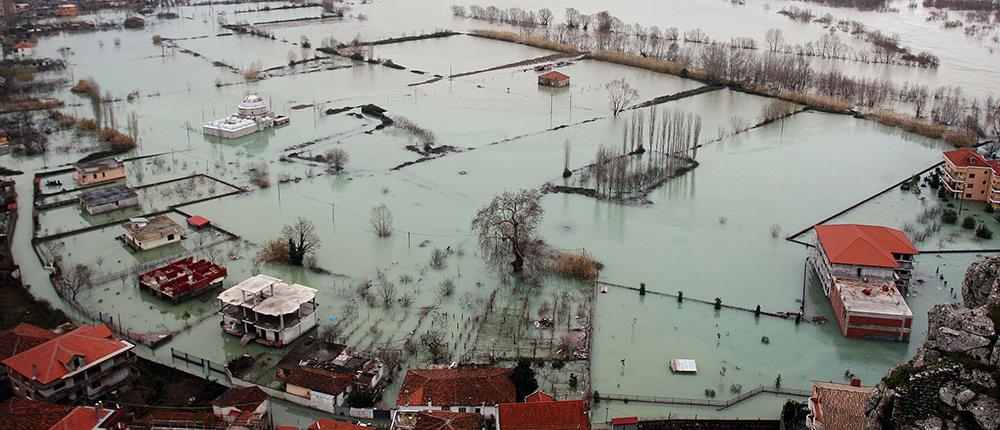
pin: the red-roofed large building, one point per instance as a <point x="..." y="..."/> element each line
<point x="862" y="269"/>
<point x="478" y="391"/>
<point x="838" y="406"/>
<point x="22" y="337"/>
<point x="26" y="414"/>
<point x="967" y="175"/>
<point x="540" y="411"/>
<point x="84" y="363"/>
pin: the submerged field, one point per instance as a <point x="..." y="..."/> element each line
<point x="707" y="233"/>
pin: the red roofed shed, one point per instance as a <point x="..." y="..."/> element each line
<point x="198" y="221"/>
<point x="553" y="79"/>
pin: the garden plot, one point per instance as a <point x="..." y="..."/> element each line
<point x="242" y="51"/>
<point x="378" y="151"/>
<point x="153" y="198"/>
<point x="456" y="54"/>
<point x="922" y="217"/>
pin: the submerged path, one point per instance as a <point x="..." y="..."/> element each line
<point x="681" y="298"/>
<point x="717" y="404"/>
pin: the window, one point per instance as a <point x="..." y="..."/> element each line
<point x="461" y="410"/>
<point x="968" y="195"/>
<point x="972" y="175"/>
<point x="859" y="272"/>
<point x="170" y="237"/>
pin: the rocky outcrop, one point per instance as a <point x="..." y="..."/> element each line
<point x="953" y="380"/>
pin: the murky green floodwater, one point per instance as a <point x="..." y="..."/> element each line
<point x="792" y="173"/>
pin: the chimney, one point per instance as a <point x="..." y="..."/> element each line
<point x="855" y="382"/>
<point x="98" y="408"/>
<point x="34" y="371"/>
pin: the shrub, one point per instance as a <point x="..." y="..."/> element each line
<point x="984" y="232"/>
<point x="969" y="223"/>
<point x="82" y="86"/>
<point x="274" y="251"/>
<point x="949" y="216"/>
<point x="575" y="266"/>
<point x="961" y="138"/>
<point x="87" y="124"/>
<point x="909" y="123"/>
<point x="824" y="103"/>
<point x="538" y="42"/>
<point x="157" y="39"/>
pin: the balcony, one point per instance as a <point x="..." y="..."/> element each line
<point x="957" y="188"/>
<point x="948" y="176"/>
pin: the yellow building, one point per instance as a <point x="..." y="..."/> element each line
<point x="96" y="172"/>
<point x="66" y="10"/>
<point x="967" y="175"/>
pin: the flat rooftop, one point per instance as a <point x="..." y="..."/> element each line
<point x="103" y="196"/>
<point x="279" y="297"/>
<point x="98" y="165"/>
<point x="154" y="228"/>
<point x="878" y="298"/>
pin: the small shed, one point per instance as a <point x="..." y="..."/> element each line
<point x="625" y="423"/>
<point x="108" y="199"/>
<point x="198" y="222"/>
<point x="22" y="50"/>
<point x="553" y="79"/>
<point x="683" y="365"/>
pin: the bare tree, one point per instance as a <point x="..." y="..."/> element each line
<point x="337" y="158"/>
<point x="381" y="219"/>
<point x="75" y="279"/>
<point x="436" y="344"/>
<point x="620" y="94"/>
<point x="566" y="153"/>
<point x="774" y="39"/>
<point x="302" y="240"/>
<point x="386" y="288"/>
<point x="507" y="228"/>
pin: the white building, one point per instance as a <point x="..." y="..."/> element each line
<point x="144" y="234"/>
<point x="251" y="116"/>
<point x="268" y="309"/>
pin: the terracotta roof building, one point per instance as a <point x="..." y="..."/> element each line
<point x="837" y="407"/>
<point x="862" y="269"/>
<point x="27" y="414"/>
<point x="436" y="420"/>
<point x="540" y="411"/>
<point x="328" y="424"/>
<point x="84" y="363"/>
<point x="967" y="175"/>
<point x="458" y="390"/>
<point x="553" y="79"/>
<point x="325" y="389"/>
<point x="245" y="407"/>
<point x="22" y="337"/>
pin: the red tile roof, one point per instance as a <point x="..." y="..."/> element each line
<point x="447" y="420"/>
<point x="864" y="245"/>
<point x="52" y="358"/>
<point x="842" y="406"/>
<point x="544" y="413"/>
<point x="22" y="45"/>
<point x="82" y="418"/>
<point x="242" y="398"/>
<point x="457" y="387"/>
<point x="320" y="380"/>
<point x="27" y="414"/>
<point x="554" y="75"/>
<point x="328" y="424"/>
<point x="22" y="337"/>
<point x="965" y="157"/>
<point x="538" y="396"/>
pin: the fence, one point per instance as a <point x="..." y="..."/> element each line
<point x="208" y="366"/>
<point x="718" y="404"/>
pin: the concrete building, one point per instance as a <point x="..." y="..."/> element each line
<point x="268" y="309"/>
<point x="478" y="391"/>
<point x="183" y="278"/>
<point x="99" y="171"/>
<point x="82" y="364"/>
<point x="143" y="234"/>
<point x="967" y="175"/>
<point x="553" y="79"/>
<point x="108" y="199"/>
<point x="838" y="406"/>
<point x="252" y="115"/>
<point x="862" y="268"/>
<point x="324" y="389"/>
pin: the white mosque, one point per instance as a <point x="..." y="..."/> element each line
<point x="251" y="116"/>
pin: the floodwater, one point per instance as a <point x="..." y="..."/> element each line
<point x="705" y="233"/>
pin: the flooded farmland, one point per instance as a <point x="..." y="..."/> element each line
<point x="465" y="120"/>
